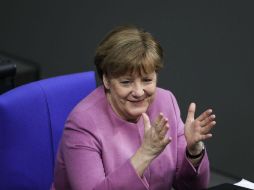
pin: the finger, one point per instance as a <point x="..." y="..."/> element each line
<point x="161" y="124"/>
<point x="159" y="121"/>
<point x="164" y="131"/>
<point x="147" y="124"/>
<point x="207" y="120"/>
<point x="206" y="136"/>
<point x="191" y="112"/>
<point x="158" y="118"/>
<point x="166" y="140"/>
<point x="208" y="127"/>
<point x="205" y="114"/>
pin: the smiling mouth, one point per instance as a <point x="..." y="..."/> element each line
<point x="136" y="101"/>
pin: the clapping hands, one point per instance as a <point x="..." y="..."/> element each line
<point x="196" y="130"/>
<point x="199" y="129"/>
<point x="155" y="138"/>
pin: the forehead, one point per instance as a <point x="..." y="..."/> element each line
<point x="137" y="75"/>
<point x="134" y="70"/>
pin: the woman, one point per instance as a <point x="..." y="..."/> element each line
<point x="128" y="134"/>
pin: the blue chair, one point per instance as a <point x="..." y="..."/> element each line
<point x="31" y="122"/>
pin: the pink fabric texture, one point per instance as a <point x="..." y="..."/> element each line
<point x="96" y="147"/>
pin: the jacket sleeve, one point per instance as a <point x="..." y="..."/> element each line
<point x="82" y="155"/>
<point x="187" y="176"/>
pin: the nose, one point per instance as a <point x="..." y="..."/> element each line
<point x="138" y="90"/>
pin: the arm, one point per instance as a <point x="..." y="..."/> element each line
<point x="81" y="149"/>
<point x="192" y="173"/>
<point x="189" y="176"/>
<point x="154" y="142"/>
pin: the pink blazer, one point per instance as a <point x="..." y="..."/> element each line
<point x="96" y="147"/>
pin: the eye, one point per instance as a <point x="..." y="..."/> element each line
<point x="147" y="80"/>
<point x="125" y="82"/>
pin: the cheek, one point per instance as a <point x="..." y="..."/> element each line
<point x="121" y="94"/>
<point x="151" y="90"/>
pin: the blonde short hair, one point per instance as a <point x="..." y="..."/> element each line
<point x="128" y="49"/>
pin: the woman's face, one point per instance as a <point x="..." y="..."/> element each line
<point x="130" y="95"/>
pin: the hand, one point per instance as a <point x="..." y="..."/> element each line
<point x="197" y="130"/>
<point x="155" y="138"/>
<point x="154" y="142"/>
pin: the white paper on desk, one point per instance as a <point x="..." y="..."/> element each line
<point x="245" y="183"/>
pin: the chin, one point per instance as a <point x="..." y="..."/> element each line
<point x="137" y="112"/>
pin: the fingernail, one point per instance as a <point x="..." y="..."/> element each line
<point x="213" y="116"/>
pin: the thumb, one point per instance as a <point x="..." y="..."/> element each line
<point x="146" y="121"/>
<point x="191" y="112"/>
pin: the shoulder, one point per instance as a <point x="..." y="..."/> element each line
<point x="163" y="95"/>
<point x="90" y="101"/>
<point x="85" y="112"/>
<point x="165" y="102"/>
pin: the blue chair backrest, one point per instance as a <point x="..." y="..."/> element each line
<point x="32" y="118"/>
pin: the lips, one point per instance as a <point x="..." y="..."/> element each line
<point x="136" y="101"/>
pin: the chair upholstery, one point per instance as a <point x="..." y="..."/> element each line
<point x="31" y="122"/>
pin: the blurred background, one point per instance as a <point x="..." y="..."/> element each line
<point x="209" y="55"/>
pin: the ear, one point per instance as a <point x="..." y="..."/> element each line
<point x="105" y="81"/>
